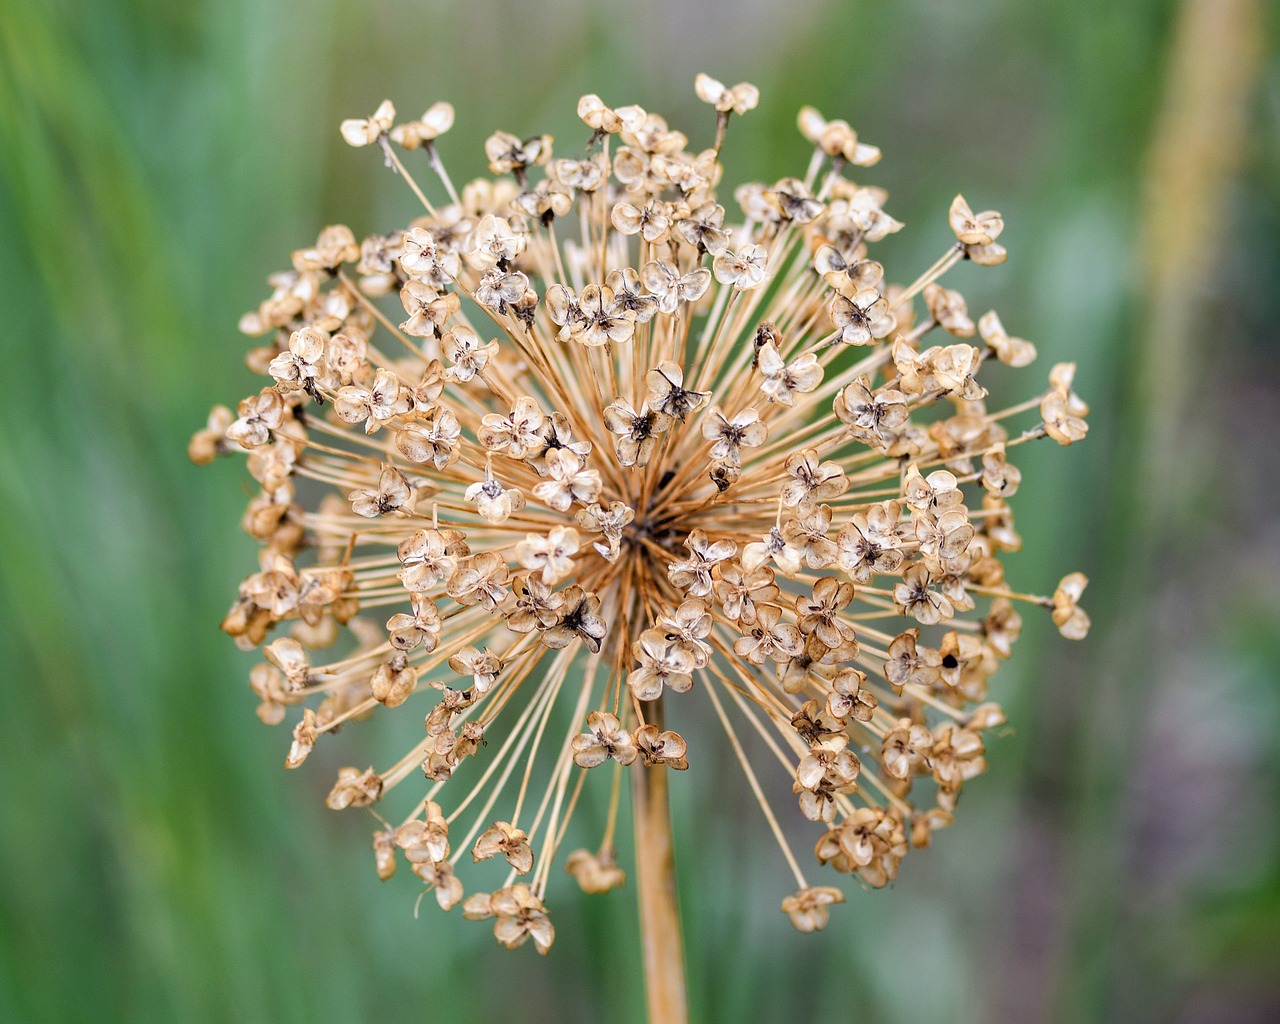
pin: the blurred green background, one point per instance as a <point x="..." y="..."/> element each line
<point x="1122" y="859"/>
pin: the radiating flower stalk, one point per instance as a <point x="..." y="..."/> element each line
<point x="576" y="439"/>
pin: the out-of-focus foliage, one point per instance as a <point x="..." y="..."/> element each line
<point x="157" y="160"/>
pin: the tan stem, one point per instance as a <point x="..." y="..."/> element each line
<point x="660" y="933"/>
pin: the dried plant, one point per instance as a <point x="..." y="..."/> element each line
<point x="619" y="446"/>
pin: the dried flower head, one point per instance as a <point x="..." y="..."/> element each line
<point x="628" y="444"/>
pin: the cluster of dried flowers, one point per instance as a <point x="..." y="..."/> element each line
<point x="621" y="444"/>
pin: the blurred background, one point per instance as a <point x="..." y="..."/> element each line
<point x="1121" y="861"/>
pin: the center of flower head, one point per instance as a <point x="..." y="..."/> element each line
<point x="656" y="538"/>
<point x="619" y="445"/>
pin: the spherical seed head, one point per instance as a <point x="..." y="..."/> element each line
<point x="621" y="456"/>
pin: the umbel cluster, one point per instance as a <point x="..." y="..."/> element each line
<point x="586" y="434"/>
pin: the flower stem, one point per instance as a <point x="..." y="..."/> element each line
<point x="660" y="934"/>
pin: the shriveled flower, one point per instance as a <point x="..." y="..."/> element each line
<point x="807" y="532"/>
<point x="610" y="523"/>
<point x="859" y="215"/>
<point x="335" y="245"/>
<point x="918" y="595"/>
<point x="671" y="288"/>
<point x="427" y="310"/>
<point x="1068" y="616"/>
<point x="693" y="574"/>
<point x="688" y="628"/>
<point x="421" y="259"/>
<point x="303" y="365"/>
<point x="848" y="276"/>
<point x="552" y="554"/>
<point x="784" y="381"/>
<point x="484" y="667"/>
<point x="808" y="908"/>
<point x="510" y="155"/>
<point x="667" y="393"/>
<point x="862" y="318"/>
<point x="871" y="542"/>
<point x="495" y="503"/>
<point x="1062" y="409"/>
<point x="479" y="579"/>
<point x="906" y="749"/>
<point x="304" y="738"/>
<point x="615" y="451"/>
<point x="463" y="348"/>
<point x="818" y="614"/>
<point x="207" y="444"/>
<point x="1011" y="351"/>
<point x="768" y="637"/>
<point x="519" y="916"/>
<point x="652" y="221"/>
<point x="999" y="475"/>
<point x="848" y="699"/>
<point x="596" y="872"/>
<point x="360" y="131"/>
<point x="354" y="788"/>
<point x="977" y="233"/>
<point x="974" y="228"/>
<point x="585" y="175"/>
<point x="949" y="310"/>
<point x="870" y="843"/>
<point x="596" y="114"/>
<point x="663" y="747"/>
<point x="876" y="418"/>
<point x="604" y="739"/>
<point x="439" y="876"/>
<point x="822" y="775"/>
<point x="629" y="295"/>
<point x="517" y="434"/>
<point x="393" y="681"/>
<point x="392" y="494"/>
<point x="570" y="482"/>
<point x="384" y="400"/>
<point x="437" y="120"/>
<point x="593" y="319"/>
<point x="729" y="435"/>
<point x="259" y="416"/>
<point x="429" y="557"/>
<point x="579" y="621"/>
<point x="740" y="591"/>
<point x="421" y="628"/>
<point x="909" y="663"/>
<point x="512" y="843"/>
<point x="955" y="756"/>
<point x="663" y="665"/>
<point x="744" y="269"/>
<point x="638" y="432"/>
<point x="809" y="480"/>
<point x="791" y="200"/>
<point x="931" y="495"/>
<point x="742" y="97"/>
<point x="703" y="228"/>
<point x="836" y="139"/>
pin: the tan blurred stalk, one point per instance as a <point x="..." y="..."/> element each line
<point x="660" y="932"/>
<point x="1199" y="143"/>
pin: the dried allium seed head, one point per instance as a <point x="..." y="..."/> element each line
<point x="651" y="448"/>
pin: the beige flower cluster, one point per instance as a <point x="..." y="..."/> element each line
<point x="578" y="436"/>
